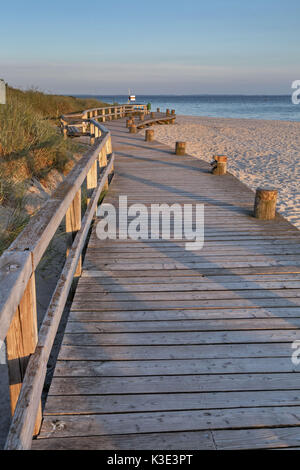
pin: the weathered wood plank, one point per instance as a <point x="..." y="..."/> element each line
<point x="183" y="325"/>
<point x="283" y="385"/>
<point x="91" y="404"/>
<point x="105" y="354"/>
<point x="201" y="314"/>
<point x="182" y="337"/>
<point x="181" y="304"/>
<point x="160" y="441"/>
<point x="277" y="437"/>
<point x="131" y="423"/>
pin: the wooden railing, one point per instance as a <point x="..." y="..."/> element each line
<point x="28" y="350"/>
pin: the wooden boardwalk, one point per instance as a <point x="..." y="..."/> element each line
<point x="173" y="349"/>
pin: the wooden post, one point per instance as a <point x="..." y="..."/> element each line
<point x="173" y="111"/>
<point x="64" y="128"/>
<point x="167" y="112"/>
<point x="265" y="203"/>
<point x="92" y="133"/>
<point x="84" y="124"/>
<point x="91" y="180"/>
<point x="172" y="121"/>
<point x="180" y="148"/>
<point x="109" y="152"/>
<point x="158" y="110"/>
<point x="142" y="117"/>
<point x="21" y="342"/>
<point x="149" y="135"/>
<point x="129" y="123"/>
<point x="152" y="115"/>
<point x="103" y="163"/>
<point x="73" y="224"/>
<point x="133" y="129"/>
<point x="220" y="166"/>
<point x="103" y="115"/>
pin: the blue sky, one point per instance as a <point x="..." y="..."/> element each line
<point x="182" y="47"/>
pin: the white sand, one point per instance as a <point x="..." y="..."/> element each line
<point x="259" y="152"/>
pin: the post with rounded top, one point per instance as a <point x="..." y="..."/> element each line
<point x="142" y="117"/>
<point x="265" y="203"/>
<point x="173" y="111"/>
<point x="158" y="110"/>
<point x="180" y="148"/>
<point x="149" y="135"/>
<point x="219" y="165"/>
<point x="167" y="112"/>
<point x="129" y="123"/>
<point x="133" y="129"/>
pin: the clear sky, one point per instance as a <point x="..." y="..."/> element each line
<point x="151" y="47"/>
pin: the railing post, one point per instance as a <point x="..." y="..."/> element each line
<point x="73" y="224"/>
<point x="103" y="115"/>
<point x="64" y="128"/>
<point x="92" y="133"/>
<point x="91" y="180"/>
<point x="21" y="341"/>
<point x="103" y="163"/>
<point x="84" y="124"/>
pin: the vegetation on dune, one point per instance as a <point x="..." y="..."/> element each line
<point x="31" y="145"/>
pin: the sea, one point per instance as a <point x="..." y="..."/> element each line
<point x="278" y="107"/>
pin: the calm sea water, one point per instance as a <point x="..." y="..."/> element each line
<point x="230" y="106"/>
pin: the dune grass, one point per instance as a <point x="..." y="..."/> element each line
<point x="31" y="145"/>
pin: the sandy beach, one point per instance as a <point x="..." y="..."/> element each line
<point x="259" y="152"/>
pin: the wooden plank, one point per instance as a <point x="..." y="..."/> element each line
<point x="127" y="423"/>
<point x="160" y="441"/>
<point x="268" y="438"/>
<point x="182" y="304"/>
<point x="121" y="287"/>
<point x="170" y="315"/>
<point x="215" y="337"/>
<point x="183" y="325"/>
<point x="106" y="354"/>
<point x="263" y="270"/>
<point x="282" y="386"/>
<point x="91" y="404"/>
<point x="190" y="295"/>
